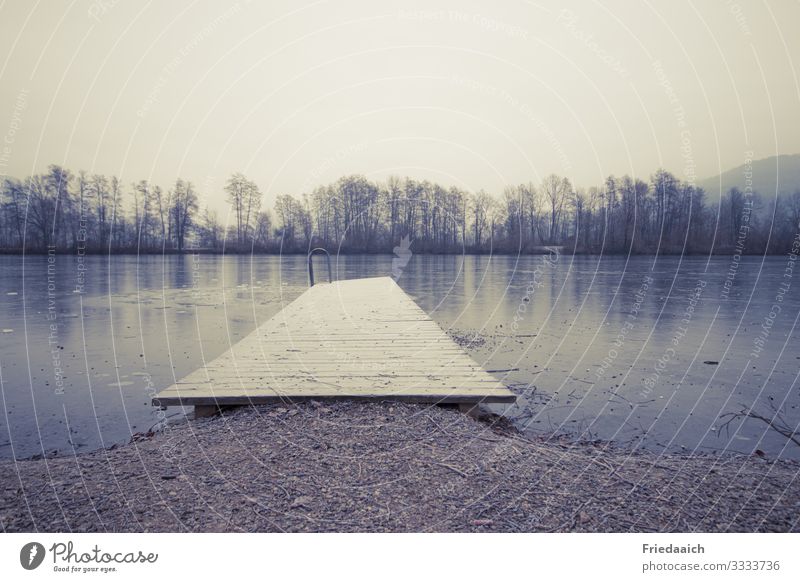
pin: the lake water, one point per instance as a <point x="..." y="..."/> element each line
<point x="646" y="352"/>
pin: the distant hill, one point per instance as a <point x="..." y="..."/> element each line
<point x="781" y="173"/>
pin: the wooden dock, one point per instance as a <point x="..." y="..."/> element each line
<point x="360" y="339"/>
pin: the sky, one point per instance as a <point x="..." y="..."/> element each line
<point x="477" y="95"/>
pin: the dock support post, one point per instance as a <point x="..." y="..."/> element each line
<point x="470" y="409"/>
<point x="205" y="410"/>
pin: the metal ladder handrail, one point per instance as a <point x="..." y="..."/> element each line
<point x="311" y="265"/>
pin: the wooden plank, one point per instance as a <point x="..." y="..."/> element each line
<point x="362" y="339"/>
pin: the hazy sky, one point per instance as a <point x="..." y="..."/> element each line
<point x="475" y="94"/>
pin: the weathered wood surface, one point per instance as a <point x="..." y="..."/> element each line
<point x="362" y="339"/>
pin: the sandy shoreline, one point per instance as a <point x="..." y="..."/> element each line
<point x="388" y="467"/>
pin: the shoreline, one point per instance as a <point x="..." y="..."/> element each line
<point x="721" y="252"/>
<point x="349" y="466"/>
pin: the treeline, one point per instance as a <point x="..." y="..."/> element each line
<point x="95" y="213"/>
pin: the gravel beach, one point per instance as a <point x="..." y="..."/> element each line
<point x="388" y="467"/>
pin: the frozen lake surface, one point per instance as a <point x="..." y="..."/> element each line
<point x="646" y="352"/>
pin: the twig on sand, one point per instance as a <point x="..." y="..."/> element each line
<point x="454" y="469"/>
<point x="437" y="425"/>
<point x="776" y="423"/>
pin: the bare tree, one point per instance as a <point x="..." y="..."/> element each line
<point x="245" y="198"/>
<point x="184" y="207"/>
<point x="555" y="190"/>
<point x="481" y="202"/>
